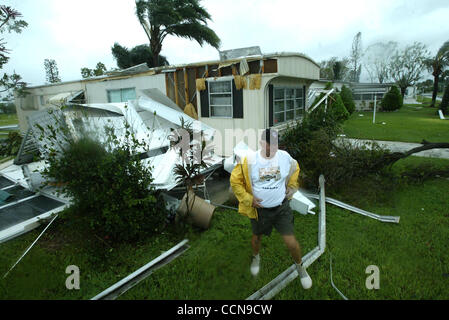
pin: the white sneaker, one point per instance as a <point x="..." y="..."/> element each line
<point x="306" y="281"/>
<point x="255" y="265"/>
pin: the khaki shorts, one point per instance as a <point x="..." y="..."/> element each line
<point x="281" y="218"/>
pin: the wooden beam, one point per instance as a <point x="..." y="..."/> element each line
<point x="186" y="86"/>
<point x="176" y="89"/>
<point x="234" y="70"/>
<point x="166" y="85"/>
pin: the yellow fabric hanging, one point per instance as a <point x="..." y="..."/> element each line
<point x="190" y="111"/>
<point x="240" y="82"/>
<point x="255" y="81"/>
<point x="201" y="84"/>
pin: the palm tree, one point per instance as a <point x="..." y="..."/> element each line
<point x="437" y="65"/>
<point x="131" y="57"/>
<point x="181" y="18"/>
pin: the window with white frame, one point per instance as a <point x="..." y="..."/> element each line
<point x="288" y="104"/>
<point x="121" y="95"/>
<point x="220" y="99"/>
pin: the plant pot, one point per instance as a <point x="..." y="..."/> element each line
<point x="200" y="210"/>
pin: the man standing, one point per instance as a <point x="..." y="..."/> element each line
<point x="263" y="183"/>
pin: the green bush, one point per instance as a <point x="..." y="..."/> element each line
<point x="340" y="163"/>
<point x="8" y="108"/>
<point x="444" y="106"/>
<point x="338" y="108"/>
<point x="301" y="139"/>
<point x="392" y="100"/>
<point x="348" y="100"/>
<point x="110" y="186"/>
<point x="11" y="145"/>
<point x="312" y="143"/>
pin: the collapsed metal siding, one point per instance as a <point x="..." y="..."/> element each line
<point x="27" y="105"/>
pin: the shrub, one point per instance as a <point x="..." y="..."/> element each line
<point x="338" y="108"/>
<point x="312" y="143"/>
<point x="110" y="186"/>
<point x="295" y="139"/>
<point x="392" y="100"/>
<point x="444" y="106"/>
<point x="11" y="145"/>
<point x="348" y="100"/>
<point x="8" y="108"/>
<point x="340" y="163"/>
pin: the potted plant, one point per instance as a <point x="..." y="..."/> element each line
<point x="192" y="149"/>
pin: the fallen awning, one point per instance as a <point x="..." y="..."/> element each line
<point x="65" y="97"/>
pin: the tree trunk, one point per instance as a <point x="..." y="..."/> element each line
<point x="435" y="90"/>
<point x="155" y="60"/>
<point x="156" y="50"/>
<point x="391" y="158"/>
<point x="403" y="89"/>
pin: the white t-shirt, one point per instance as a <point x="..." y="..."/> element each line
<point x="268" y="178"/>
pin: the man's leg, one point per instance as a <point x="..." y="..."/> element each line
<point x="293" y="247"/>
<point x="255" y="243"/>
<point x="295" y="250"/>
<point x="255" y="263"/>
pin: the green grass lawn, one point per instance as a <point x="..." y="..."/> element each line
<point x="412" y="123"/>
<point x="412" y="255"/>
<point x="6" y="120"/>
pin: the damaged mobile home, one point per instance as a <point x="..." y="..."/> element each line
<point x="244" y="89"/>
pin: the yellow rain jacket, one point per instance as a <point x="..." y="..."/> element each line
<point x="241" y="185"/>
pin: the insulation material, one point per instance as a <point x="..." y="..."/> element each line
<point x="201" y="84"/>
<point x="240" y="82"/>
<point x="190" y="111"/>
<point x="255" y="81"/>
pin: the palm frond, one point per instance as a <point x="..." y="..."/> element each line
<point x="195" y="31"/>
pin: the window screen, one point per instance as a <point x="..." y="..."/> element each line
<point x="121" y="95"/>
<point x="288" y="104"/>
<point x="220" y="98"/>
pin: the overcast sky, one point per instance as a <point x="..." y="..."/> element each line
<point x="81" y="33"/>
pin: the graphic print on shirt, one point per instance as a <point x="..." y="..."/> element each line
<point x="269" y="173"/>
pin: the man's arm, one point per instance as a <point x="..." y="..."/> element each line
<point x="293" y="183"/>
<point x="238" y="186"/>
